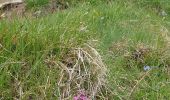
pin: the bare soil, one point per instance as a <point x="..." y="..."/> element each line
<point x="19" y="9"/>
<point x="10" y="8"/>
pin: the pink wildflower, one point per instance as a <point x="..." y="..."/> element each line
<point x="81" y="96"/>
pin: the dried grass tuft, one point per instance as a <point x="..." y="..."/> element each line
<point x="81" y="69"/>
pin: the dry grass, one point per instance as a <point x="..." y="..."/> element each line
<point x="81" y="69"/>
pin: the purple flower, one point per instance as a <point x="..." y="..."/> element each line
<point x="146" y="68"/>
<point x="76" y="98"/>
<point x="80" y="96"/>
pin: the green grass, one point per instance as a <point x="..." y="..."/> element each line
<point x="36" y="3"/>
<point x="121" y="30"/>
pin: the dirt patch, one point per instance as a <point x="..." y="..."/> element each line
<point x="12" y="8"/>
<point x="18" y="9"/>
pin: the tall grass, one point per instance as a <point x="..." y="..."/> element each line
<point x="128" y="37"/>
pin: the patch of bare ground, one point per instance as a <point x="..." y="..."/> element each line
<point x="10" y="10"/>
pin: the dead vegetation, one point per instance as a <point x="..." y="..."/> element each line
<point x="81" y="69"/>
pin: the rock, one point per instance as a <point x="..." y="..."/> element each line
<point x="3" y="3"/>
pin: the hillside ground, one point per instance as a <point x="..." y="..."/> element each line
<point x="131" y="36"/>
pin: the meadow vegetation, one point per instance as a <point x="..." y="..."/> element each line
<point x="95" y="45"/>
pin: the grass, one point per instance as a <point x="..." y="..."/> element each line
<point x="126" y="35"/>
<point x="36" y="3"/>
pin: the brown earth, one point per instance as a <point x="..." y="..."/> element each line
<point x="9" y="10"/>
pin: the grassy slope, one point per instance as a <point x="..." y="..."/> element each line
<point x="120" y="28"/>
